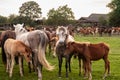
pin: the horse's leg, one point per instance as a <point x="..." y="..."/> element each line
<point x="16" y="60"/>
<point x="66" y="64"/>
<point x="34" y="60"/>
<point x="20" y="66"/>
<point x="39" y="69"/>
<point x="89" y="70"/>
<point x="11" y="66"/>
<point x="85" y="69"/>
<point x="69" y="63"/>
<point x="60" y="65"/>
<point x="49" y="47"/>
<point x="54" y="52"/>
<point x="80" y="65"/>
<point x="8" y="63"/>
<point x="107" y="67"/>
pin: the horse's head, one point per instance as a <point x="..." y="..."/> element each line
<point x="28" y="54"/>
<point x="62" y="34"/>
<point x="19" y="29"/>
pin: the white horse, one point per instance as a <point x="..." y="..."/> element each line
<point x="37" y="40"/>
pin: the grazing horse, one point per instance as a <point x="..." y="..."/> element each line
<point x="37" y="40"/>
<point x="90" y="52"/>
<point x="63" y="38"/>
<point x="16" y="48"/>
<point x="4" y="36"/>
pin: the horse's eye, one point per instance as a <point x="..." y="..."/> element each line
<point x="21" y="29"/>
<point x="27" y="55"/>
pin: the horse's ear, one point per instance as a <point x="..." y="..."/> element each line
<point x="22" y="24"/>
<point x="14" y="25"/>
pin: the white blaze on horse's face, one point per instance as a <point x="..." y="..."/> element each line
<point x="62" y="34"/>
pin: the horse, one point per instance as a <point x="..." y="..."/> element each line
<point x="37" y="40"/>
<point x="63" y="38"/>
<point x="90" y="52"/>
<point x="14" y="48"/>
<point x="4" y="36"/>
<point x="51" y="35"/>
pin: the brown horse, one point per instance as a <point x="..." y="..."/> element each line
<point x="16" y="48"/>
<point x="89" y="52"/>
<point x="4" y="36"/>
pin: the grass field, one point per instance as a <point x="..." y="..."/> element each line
<point x="97" y="66"/>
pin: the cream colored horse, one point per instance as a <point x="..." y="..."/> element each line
<point x="15" y="48"/>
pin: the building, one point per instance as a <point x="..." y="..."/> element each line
<point x="94" y="20"/>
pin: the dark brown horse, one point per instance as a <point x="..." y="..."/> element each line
<point x="4" y="36"/>
<point x="90" y="52"/>
<point x="63" y="38"/>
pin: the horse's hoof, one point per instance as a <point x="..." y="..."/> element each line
<point x="60" y="77"/>
<point x="85" y="77"/>
<point x="108" y="74"/>
<point x="54" y="56"/>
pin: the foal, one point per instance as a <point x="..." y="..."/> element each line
<point x="90" y="52"/>
<point x="16" y="48"/>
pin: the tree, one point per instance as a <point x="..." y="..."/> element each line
<point x="23" y="19"/>
<point x="103" y="21"/>
<point x="11" y="18"/>
<point x="114" y="15"/>
<point x="30" y="9"/>
<point x="3" y="19"/>
<point x="62" y="16"/>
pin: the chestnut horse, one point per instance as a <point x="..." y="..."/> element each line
<point x="89" y="52"/>
<point x="16" y="48"/>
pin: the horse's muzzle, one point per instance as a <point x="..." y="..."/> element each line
<point x="61" y="43"/>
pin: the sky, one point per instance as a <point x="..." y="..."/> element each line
<point x="80" y="8"/>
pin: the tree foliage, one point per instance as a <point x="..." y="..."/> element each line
<point x="11" y="18"/>
<point x="61" y="16"/>
<point x="3" y="19"/>
<point x="114" y="15"/>
<point x="30" y="9"/>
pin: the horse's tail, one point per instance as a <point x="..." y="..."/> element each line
<point x="41" y="51"/>
<point x="3" y="51"/>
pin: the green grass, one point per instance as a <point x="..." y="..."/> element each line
<point x="97" y="66"/>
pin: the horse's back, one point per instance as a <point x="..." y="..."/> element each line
<point x="8" y="45"/>
<point x="98" y="51"/>
<point x="13" y="46"/>
<point x="99" y="46"/>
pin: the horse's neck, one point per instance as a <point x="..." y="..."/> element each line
<point x="70" y="39"/>
<point x="21" y="36"/>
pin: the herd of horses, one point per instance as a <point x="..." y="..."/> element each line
<point x="32" y="45"/>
